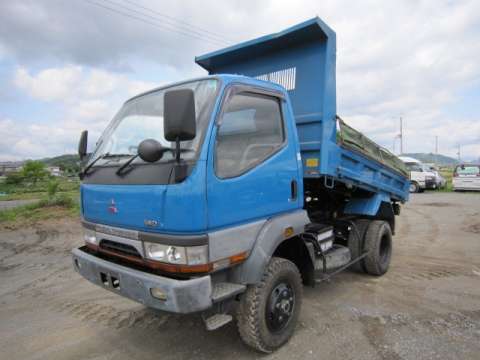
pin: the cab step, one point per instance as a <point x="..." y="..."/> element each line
<point x="217" y="320"/>
<point x="225" y="290"/>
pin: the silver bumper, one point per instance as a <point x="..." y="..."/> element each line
<point x="181" y="296"/>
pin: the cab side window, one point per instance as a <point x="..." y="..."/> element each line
<point x="250" y="131"/>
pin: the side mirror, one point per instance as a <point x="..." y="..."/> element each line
<point x="82" y="144"/>
<point x="150" y="150"/>
<point x="179" y="115"/>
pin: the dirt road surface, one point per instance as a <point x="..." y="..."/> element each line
<point x="426" y="307"/>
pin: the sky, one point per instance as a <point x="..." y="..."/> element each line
<point x="66" y="66"/>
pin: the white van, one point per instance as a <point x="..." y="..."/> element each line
<point x="419" y="178"/>
<point x="466" y="177"/>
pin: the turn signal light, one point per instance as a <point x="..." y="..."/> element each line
<point x="202" y="268"/>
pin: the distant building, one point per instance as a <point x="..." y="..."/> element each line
<point x="9" y="167"/>
<point x="54" y="170"/>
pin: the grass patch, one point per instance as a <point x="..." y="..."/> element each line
<point x="26" y="191"/>
<point x="447" y="175"/>
<point x="60" y="205"/>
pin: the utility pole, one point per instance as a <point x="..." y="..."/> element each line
<point x="436" y="150"/>
<point x="401" y="135"/>
<point x="458" y="154"/>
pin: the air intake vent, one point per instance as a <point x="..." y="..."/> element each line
<point x="119" y="248"/>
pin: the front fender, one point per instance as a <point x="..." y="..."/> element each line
<point x="270" y="236"/>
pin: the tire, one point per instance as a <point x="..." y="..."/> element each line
<point x="354" y="246"/>
<point x="262" y="324"/>
<point x="414" y="187"/>
<point x="378" y="243"/>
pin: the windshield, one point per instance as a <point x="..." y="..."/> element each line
<point x="142" y="118"/>
<point x="413" y="167"/>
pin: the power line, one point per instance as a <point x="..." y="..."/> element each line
<point x="221" y="37"/>
<point x="160" y="26"/>
<point x="156" y="24"/>
<point x="169" y="23"/>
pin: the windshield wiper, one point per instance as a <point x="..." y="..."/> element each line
<point x="89" y="166"/>
<point x="124" y="166"/>
<point x="129" y="161"/>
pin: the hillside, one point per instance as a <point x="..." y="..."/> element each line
<point x="432" y="158"/>
<point x="65" y="161"/>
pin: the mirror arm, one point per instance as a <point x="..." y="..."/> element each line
<point x="177" y="150"/>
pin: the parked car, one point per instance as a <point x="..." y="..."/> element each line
<point x="419" y="178"/>
<point x="440" y="181"/>
<point x="466" y="177"/>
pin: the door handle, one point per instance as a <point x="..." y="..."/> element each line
<point x="293" y="190"/>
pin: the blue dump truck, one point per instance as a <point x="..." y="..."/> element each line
<point x="225" y="194"/>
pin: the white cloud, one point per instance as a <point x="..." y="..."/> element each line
<point x="86" y="99"/>
<point x="75" y="83"/>
<point x="50" y="84"/>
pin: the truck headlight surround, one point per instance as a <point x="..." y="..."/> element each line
<point x="90" y="236"/>
<point x="181" y="255"/>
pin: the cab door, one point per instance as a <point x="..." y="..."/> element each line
<point x="253" y="171"/>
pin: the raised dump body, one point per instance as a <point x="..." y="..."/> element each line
<point x="302" y="59"/>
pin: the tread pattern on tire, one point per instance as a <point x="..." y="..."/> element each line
<point x="249" y="311"/>
<point x="373" y="237"/>
<point x="362" y="225"/>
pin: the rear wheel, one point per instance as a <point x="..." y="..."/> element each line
<point x="356" y="242"/>
<point x="269" y="310"/>
<point x="378" y="243"/>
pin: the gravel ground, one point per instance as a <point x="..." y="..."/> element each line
<point x="10" y="204"/>
<point x="426" y="307"/>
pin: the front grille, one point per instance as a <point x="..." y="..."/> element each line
<point x="119" y="248"/>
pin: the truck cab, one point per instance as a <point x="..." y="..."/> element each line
<point x="221" y="195"/>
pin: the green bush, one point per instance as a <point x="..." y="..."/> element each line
<point x="52" y="188"/>
<point x="14" y="178"/>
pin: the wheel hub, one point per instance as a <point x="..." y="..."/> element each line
<point x="280" y="307"/>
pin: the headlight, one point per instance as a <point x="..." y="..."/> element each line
<point x="90" y="236"/>
<point x="192" y="255"/>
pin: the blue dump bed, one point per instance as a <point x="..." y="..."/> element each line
<point x="302" y="59"/>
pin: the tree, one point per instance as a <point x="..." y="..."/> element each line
<point x="34" y="170"/>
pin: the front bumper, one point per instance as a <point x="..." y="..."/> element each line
<point x="430" y="184"/>
<point x="181" y="296"/>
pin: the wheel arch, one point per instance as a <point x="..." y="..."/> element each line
<point x="281" y="229"/>
<point x="295" y="250"/>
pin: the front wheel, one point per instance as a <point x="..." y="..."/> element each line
<point x="414" y="187"/>
<point x="268" y="311"/>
